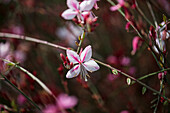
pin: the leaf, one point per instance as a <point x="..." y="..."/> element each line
<point x="154" y="100"/>
<point x="165" y="103"/>
<point x="128" y="80"/>
<point x="114" y="71"/>
<point x="164" y="18"/>
<point x="143" y="90"/>
<point x="14" y="106"/>
<point x="153" y="106"/>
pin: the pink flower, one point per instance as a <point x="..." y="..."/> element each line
<point x="125" y="61"/>
<point x="4" y="49"/>
<point x="76" y="9"/>
<point x="124" y="111"/>
<point x="65" y="101"/>
<point x="136" y="43"/>
<point x="83" y="62"/>
<point x="21" y="99"/>
<point x="119" y="5"/>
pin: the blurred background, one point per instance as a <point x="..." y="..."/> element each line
<point x="111" y="43"/>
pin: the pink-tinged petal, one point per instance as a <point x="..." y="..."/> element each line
<point x="64" y="101"/>
<point x="91" y="66"/>
<point x="73" y="56"/>
<point x="86" y="54"/>
<point x="73" y="4"/>
<point x="73" y="72"/>
<point x="121" y="2"/>
<point x="87" y="5"/>
<point x="50" y="109"/>
<point x="69" y="14"/>
<point x="116" y="7"/>
<point x="135" y="44"/>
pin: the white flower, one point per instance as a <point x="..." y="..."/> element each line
<point x="83" y="63"/>
<point x="77" y="9"/>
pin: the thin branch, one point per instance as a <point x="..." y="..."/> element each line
<point x="32" y="102"/>
<point x="106" y="65"/>
<point x="21" y="37"/>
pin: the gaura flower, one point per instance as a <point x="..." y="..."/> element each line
<point x="76" y="8"/>
<point x="119" y="5"/>
<point x="83" y="63"/>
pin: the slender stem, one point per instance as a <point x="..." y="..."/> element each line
<point x="21" y="37"/>
<point x="143" y="15"/>
<point x="32" y="76"/>
<point x="152" y="13"/>
<point x="121" y="12"/>
<point x="81" y="41"/>
<point x="151" y="74"/>
<point x="106" y="65"/>
<point x="33" y="103"/>
<point x="128" y="76"/>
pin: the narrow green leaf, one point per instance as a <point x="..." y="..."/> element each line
<point x="143" y="90"/>
<point x="128" y="80"/>
<point x="165" y="103"/>
<point x="154" y="100"/>
<point x="153" y="106"/>
<point x="164" y="18"/>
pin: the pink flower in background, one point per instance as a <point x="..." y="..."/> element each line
<point x="119" y="5"/>
<point x="63" y="102"/>
<point x="112" y="77"/>
<point x="125" y="61"/>
<point x="4" y="49"/>
<point x="21" y="99"/>
<point x="69" y="33"/>
<point x="124" y="111"/>
<point x="112" y="60"/>
<point x="83" y="63"/>
<point x="77" y="9"/>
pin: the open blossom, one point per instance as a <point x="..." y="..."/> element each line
<point x="77" y="9"/>
<point x="63" y="101"/>
<point x="119" y="5"/>
<point x="83" y="63"/>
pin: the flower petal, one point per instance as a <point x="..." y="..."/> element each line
<point x="64" y="101"/>
<point x="69" y="14"/>
<point x="73" y="4"/>
<point x="116" y="7"/>
<point x="91" y="66"/>
<point x="86" y="54"/>
<point x="87" y="5"/>
<point x="73" y="72"/>
<point x="73" y="56"/>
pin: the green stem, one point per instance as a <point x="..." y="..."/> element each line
<point x="32" y="76"/>
<point x="33" y="103"/>
<point x="81" y="41"/>
<point x="57" y="46"/>
<point x="21" y="37"/>
<point x="143" y="15"/>
<point x="151" y="74"/>
<point x="128" y="76"/>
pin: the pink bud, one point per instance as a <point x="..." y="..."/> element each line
<point x="136" y="43"/>
<point x="62" y="57"/>
<point x="71" y="65"/>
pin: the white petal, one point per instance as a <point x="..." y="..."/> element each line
<point x="86" y="54"/>
<point x="87" y="5"/>
<point x="69" y="14"/>
<point x="73" y="56"/>
<point x="73" y="4"/>
<point x="73" y="72"/>
<point x="91" y="66"/>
